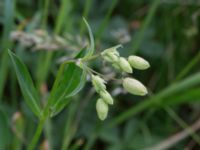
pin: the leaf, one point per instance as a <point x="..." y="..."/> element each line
<point x="26" y="84"/>
<point x="4" y="130"/>
<point x="69" y="81"/>
<point x="90" y="50"/>
<point x="188" y="96"/>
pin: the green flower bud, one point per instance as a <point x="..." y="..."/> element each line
<point x="106" y="97"/>
<point x="98" y="83"/>
<point x="102" y="109"/>
<point x="138" y="62"/>
<point x="112" y="49"/>
<point x="133" y="86"/>
<point x="116" y="66"/>
<point x="111" y="54"/>
<point x="124" y="65"/>
<point x="111" y="57"/>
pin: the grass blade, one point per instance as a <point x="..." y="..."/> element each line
<point x="157" y="99"/>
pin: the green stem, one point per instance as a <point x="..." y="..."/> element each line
<point x="37" y="134"/>
<point x="91" y="58"/>
<point x="136" y="43"/>
<point x="69" y="127"/>
<point x="188" y="68"/>
<point x="9" y="12"/>
<point x="40" y="126"/>
<point x="85" y="14"/>
<point x="43" y="70"/>
<point x="106" y="20"/>
<point x="45" y="13"/>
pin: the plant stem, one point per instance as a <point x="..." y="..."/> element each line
<point x="105" y="21"/>
<point x="39" y="127"/>
<point x="136" y="43"/>
<point x="69" y="127"/>
<point x="85" y="14"/>
<point x="188" y="68"/>
<point x="9" y="13"/>
<point x="91" y="58"/>
<point x="37" y="134"/>
<point x="45" y="13"/>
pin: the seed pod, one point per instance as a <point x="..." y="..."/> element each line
<point x="102" y="109"/>
<point x="98" y="83"/>
<point x="124" y="65"/>
<point x="106" y="97"/>
<point x="138" y="62"/>
<point x="133" y="86"/>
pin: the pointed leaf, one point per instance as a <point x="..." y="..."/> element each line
<point x="4" y="130"/>
<point x="26" y="84"/>
<point x="69" y="81"/>
<point x="90" y="50"/>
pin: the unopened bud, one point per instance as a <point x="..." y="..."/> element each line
<point x="106" y="97"/>
<point x="124" y="65"/>
<point x="98" y="83"/>
<point x="133" y="86"/>
<point x="102" y="109"/>
<point x="111" y="54"/>
<point x="116" y="66"/>
<point x="138" y="62"/>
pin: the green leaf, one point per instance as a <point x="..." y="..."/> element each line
<point x="188" y="96"/>
<point x="26" y="84"/>
<point x="4" y="130"/>
<point x="90" y="50"/>
<point x="69" y="81"/>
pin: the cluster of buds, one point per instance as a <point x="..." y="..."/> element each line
<point x="112" y="56"/>
<point x="131" y="85"/>
<point x="105" y="100"/>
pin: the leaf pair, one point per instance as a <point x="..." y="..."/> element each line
<point x="69" y="81"/>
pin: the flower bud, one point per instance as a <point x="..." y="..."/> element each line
<point x="124" y="65"/>
<point x="111" y="57"/>
<point x="98" y="83"/>
<point x="102" y="109"/>
<point x="133" y="86"/>
<point x="138" y="62"/>
<point x="116" y="66"/>
<point x="106" y="97"/>
<point x="111" y="54"/>
<point x="112" y="49"/>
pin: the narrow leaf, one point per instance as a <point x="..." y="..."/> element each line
<point x="69" y="81"/>
<point x="188" y="96"/>
<point x="26" y="84"/>
<point x="90" y="50"/>
<point x="4" y="130"/>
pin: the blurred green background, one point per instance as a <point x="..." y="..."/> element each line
<point x="164" y="32"/>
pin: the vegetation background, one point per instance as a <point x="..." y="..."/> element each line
<point x="165" y="32"/>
